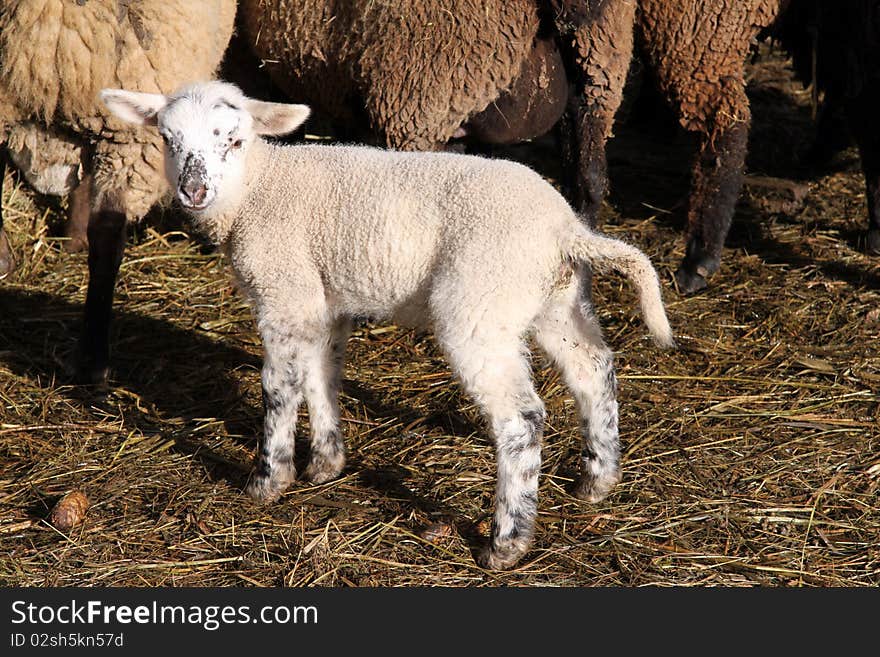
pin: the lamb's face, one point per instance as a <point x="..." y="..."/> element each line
<point x="207" y="128"/>
<point x="206" y="141"/>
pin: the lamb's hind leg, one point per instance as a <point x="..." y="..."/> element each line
<point x="322" y="373"/>
<point x="568" y="331"/>
<point x="494" y="370"/>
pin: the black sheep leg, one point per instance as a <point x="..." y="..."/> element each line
<point x="106" y="233"/>
<point x="581" y="141"/>
<point x="7" y="260"/>
<point x="863" y="124"/>
<point x="871" y="168"/>
<point x="596" y="45"/>
<point x="78" y="214"/>
<point x="715" y="189"/>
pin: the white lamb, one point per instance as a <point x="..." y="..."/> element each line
<point x="484" y="251"/>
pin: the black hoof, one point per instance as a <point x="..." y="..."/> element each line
<point x="689" y="282"/>
<point x="89" y="374"/>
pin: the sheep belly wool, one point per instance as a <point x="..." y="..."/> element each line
<point x="419" y="68"/>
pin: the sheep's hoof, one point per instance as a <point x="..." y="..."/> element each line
<point x="89" y="374"/>
<point x="873" y="241"/>
<point x="504" y="556"/>
<point x="265" y="489"/>
<point x="76" y="244"/>
<point x="593" y="488"/>
<point x="689" y="282"/>
<point x="322" y="469"/>
<point x="7" y="260"/>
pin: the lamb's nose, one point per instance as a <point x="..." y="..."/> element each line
<point x="195" y="191"/>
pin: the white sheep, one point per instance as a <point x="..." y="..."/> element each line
<point x="484" y="251"/>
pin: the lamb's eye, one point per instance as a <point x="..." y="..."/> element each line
<point x="237" y="143"/>
<point x="165" y="138"/>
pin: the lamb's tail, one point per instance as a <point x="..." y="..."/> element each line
<point x="604" y="253"/>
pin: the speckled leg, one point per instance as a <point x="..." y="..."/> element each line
<point x="518" y="455"/>
<point x="571" y="336"/>
<point x="282" y="378"/>
<point x="495" y="371"/>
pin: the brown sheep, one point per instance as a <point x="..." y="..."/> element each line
<point x="697" y="51"/>
<point x="55" y="55"/>
<point x="419" y="73"/>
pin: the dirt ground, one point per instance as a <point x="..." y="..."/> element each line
<point x="751" y="456"/>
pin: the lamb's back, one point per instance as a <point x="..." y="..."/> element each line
<point x="378" y="226"/>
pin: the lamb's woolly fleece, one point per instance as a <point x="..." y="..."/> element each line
<point x="363" y="231"/>
<point x="55" y="55"/>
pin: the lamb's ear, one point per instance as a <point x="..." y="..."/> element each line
<point x="134" y="106"/>
<point x="276" y="119"/>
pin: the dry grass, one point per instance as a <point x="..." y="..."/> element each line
<point x="751" y="456"/>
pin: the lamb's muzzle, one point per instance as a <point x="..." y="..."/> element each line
<point x="484" y="251"/>
<point x="193" y="191"/>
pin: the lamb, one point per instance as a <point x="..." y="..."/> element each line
<point x="481" y="250"/>
<point x="55" y="56"/>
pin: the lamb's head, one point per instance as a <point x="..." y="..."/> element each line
<point x="208" y="128"/>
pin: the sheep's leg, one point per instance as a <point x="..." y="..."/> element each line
<point x="77" y="226"/>
<point x="322" y="373"/>
<point x="495" y="372"/>
<point x="698" y="58"/>
<point x="715" y="189"/>
<point x="864" y="127"/>
<point x="106" y="232"/>
<point x="601" y="44"/>
<point x="7" y="260"/>
<point x="282" y="378"/>
<point x="583" y="132"/>
<point x="568" y="331"/>
<point x="871" y="169"/>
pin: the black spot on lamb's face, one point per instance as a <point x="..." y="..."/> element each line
<point x="205" y="142"/>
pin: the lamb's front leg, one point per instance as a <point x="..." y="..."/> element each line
<point x="274" y="468"/>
